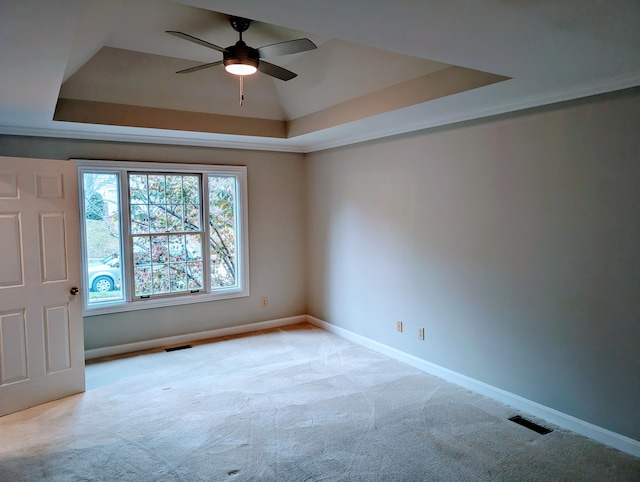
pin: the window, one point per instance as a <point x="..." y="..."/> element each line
<point x="161" y="234"/>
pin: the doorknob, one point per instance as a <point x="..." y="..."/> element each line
<point x="74" y="291"/>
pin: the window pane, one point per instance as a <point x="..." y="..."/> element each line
<point x="194" y="275"/>
<point x="223" y="238"/>
<point x="174" y="190"/>
<point x="177" y="253"/>
<point x="160" y="282"/>
<point x="142" y="280"/>
<point x="175" y="215"/>
<point x="193" y="247"/>
<point x="102" y="237"/>
<point x="191" y="189"/>
<point x="178" y="278"/>
<point x="159" y="249"/>
<point x="157" y="219"/>
<point x="138" y="193"/>
<point x="192" y="217"/>
<point x="139" y="218"/>
<point x="157" y="189"/>
<point x="141" y="250"/>
<point x="167" y="207"/>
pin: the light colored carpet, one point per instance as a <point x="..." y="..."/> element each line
<point x="291" y="404"/>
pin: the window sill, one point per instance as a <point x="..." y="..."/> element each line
<point x="148" y="304"/>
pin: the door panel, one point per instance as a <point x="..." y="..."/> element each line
<point x="41" y="335"/>
<point x="8" y="184"/>
<point x="13" y="343"/>
<point x="10" y="240"/>
<point x="57" y="343"/>
<point x="53" y="247"/>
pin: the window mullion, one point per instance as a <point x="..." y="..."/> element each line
<point x="239" y="199"/>
<point x="206" y="253"/>
<point x="126" y="238"/>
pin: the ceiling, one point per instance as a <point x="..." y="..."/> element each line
<point x="105" y="69"/>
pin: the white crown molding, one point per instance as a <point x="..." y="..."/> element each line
<point x="170" y="139"/>
<point x="378" y="131"/>
<point x="527" y="102"/>
<point x="594" y="432"/>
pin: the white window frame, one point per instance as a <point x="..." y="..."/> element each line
<point x="131" y="302"/>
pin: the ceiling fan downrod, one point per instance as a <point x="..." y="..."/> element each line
<point x="240" y="24"/>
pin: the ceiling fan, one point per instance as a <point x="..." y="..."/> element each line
<point x="241" y="59"/>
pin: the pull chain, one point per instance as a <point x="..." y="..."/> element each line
<point x="241" y="89"/>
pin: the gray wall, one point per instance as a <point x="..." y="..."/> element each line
<point x="276" y="238"/>
<point x="514" y="242"/>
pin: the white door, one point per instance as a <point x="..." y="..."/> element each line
<point x="41" y="335"/>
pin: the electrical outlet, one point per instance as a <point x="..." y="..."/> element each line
<point x="264" y="302"/>
<point x="420" y="333"/>
<point x="399" y="326"/>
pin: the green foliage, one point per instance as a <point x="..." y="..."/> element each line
<point x="94" y="206"/>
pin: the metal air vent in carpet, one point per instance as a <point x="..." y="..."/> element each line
<point x="183" y="347"/>
<point x="530" y="425"/>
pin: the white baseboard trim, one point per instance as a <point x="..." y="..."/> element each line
<point x="191" y="337"/>
<point x="594" y="432"/>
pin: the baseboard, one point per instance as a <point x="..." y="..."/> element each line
<point x="191" y="337"/>
<point x="594" y="432"/>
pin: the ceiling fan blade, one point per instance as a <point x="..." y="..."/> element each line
<point x="196" y="40"/>
<point x="199" y="67"/>
<point x="275" y="71"/>
<point x="286" y="48"/>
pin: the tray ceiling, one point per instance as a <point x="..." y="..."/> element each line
<point x="106" y="70"/>
<point x="128" y="82"/>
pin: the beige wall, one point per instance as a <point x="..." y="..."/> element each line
<point x="276" y="238"/>
<point x="513" y="241"/>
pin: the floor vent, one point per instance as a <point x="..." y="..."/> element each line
<point x="530" y="425"/>
<point x="183" y="347"/>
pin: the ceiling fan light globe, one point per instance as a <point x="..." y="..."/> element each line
<point x="245" y="66"/>
<point x="240" y="69"/>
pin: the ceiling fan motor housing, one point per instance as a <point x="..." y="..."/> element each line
<point x="241" y="53"/>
